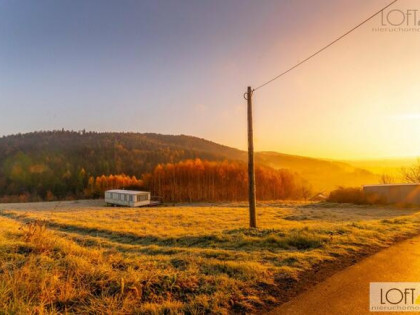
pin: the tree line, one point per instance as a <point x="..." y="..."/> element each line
<point x="198" y="180"/>
<point x="190" y="181"/>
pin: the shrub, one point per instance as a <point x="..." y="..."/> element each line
<point x="354" y="195"/>
<point x="347" y="195"/>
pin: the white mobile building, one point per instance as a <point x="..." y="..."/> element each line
<point x="129" y="198"/>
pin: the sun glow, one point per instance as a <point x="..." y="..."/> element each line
<point x="410" y="116"/>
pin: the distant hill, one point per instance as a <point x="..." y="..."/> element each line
<point x="324" y="175"/>
<point x="390" y="166"/>
<point x="105" y="153"/>
<point x="55" y="160"/>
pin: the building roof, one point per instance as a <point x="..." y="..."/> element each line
<point x="127" y="192"/>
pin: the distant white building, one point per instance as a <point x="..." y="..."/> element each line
<point x="128" y="198"/>
<point x="396" y="193"/>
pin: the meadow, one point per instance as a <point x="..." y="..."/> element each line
<point x="82" y="257"/>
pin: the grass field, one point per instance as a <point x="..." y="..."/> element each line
<point x="80" y="257"/>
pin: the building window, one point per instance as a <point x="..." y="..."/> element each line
<point x="142" y="197"/>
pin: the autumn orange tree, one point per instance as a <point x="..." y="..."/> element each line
<point x="197" y="180"/>
<point x="97" y="185"/>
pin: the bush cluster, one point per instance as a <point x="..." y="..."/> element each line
<point x="354" y="195"/>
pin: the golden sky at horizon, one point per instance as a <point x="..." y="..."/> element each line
<point x="358" y="99"/>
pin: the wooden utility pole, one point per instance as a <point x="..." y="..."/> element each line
<point x="251" y="170"/>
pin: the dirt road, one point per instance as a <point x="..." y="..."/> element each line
<point x="347" y="292"/>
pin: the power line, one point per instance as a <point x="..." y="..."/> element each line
<point x="325" y="47"/>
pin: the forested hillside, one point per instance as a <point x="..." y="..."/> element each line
<point x="63" y="164"/>
<point x="60" y="163"/>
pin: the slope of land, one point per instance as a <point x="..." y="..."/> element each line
<point x="324" y="175"/>
<point x="63" y="161"/>
<point x="80" y="257"/>
<point x="106" y="153"/>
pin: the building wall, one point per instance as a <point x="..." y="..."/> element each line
<point x="126" y="199"/>
<point x="409" y="194"/>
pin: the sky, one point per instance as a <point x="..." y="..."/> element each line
<point x="182" y="67"/>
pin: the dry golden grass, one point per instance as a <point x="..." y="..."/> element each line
<point x="79" y="257"/>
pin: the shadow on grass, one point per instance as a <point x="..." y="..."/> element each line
<point x="238" y="239"/>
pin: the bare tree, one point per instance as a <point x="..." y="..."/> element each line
<point x="412" y="174"/>
<point x="387" y="179"/>
<point x="306" y="191"/>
